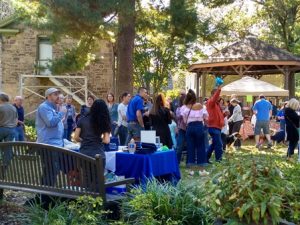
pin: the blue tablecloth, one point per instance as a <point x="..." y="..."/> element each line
<point x="146" y="166"/>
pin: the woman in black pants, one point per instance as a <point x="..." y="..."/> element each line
<point x="292" y="125"/>
<point x="236" y="119"/>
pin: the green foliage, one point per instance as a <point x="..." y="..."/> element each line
<point x="217" y="3"/>
<point x="174" y="93"/>
<point x="166" y="204"/>
<point x="253" y="190"/>
<point x="163" y="41"/>
<point x="30" y="133"/>
<point x="56" y="215"/>
<point x="87" y="210"/>
<point x="282" y="19"/>
<point x="84" y="210"/>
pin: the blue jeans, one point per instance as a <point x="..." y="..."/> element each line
<point x="134" y="131"/>
<point x="67" y="132"/>
<point x="6" y="135"/>
<point x="181" y="143"/>
<point x="123" y="133"/>
<point x="206" y="141"/>
<point x="19" y="133"/>
<point x="216" y="144"/>
<point x="196" y="153"/>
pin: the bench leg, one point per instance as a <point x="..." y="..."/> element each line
<point x="1" y="194"/>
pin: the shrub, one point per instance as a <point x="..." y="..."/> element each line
<point x="166" y="204"/>
<point x="251" y="190"/>
<point x="84" y="210"/>
<point x="30" y="133"/>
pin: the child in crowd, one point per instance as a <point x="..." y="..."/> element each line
<point x="225" y="129"/>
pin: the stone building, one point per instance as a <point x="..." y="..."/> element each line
<point x="24" y="51"/>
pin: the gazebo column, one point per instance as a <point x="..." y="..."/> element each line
<point x="203" y="85"/>
<point x="289" y="80"/>
<point x="198" y="76"/>
<point x="291" y="84"/>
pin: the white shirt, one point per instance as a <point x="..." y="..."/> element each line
<point x="122" y="110"/>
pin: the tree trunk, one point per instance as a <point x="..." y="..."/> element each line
<point x="125" y="48"/>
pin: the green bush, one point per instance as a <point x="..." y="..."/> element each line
<point x="85" y="210"/>
<point x="30" y="133"/>
<point x="252" y="190"/>
<point x="166" y="204"/>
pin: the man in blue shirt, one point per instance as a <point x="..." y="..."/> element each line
<point x="263" y="111"/>
<point x="50" y="130"/>
<point x="19" y="136"/>
<point x="135" y="115"/>
<point x="49" y="125"/>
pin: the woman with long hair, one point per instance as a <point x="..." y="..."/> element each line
<point x="160" y="118"/>
<point x="292" y="125"/>
<point x="181" y="140"/>
<point x="93" y="130"/>
<point x="113" y="111"/>
<point x="194" y="116"/>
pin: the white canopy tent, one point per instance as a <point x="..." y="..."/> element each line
<point x="251" y="86"/>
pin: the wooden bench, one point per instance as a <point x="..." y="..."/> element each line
<point x="53" y="171"/>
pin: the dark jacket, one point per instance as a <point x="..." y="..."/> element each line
<point x="160" y="123"/>
<point x="292" y="124"/>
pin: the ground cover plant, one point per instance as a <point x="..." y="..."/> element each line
<point x="247" y="187"/>
<point x="166" y="204"/>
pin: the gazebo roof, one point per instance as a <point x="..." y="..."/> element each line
<point x="253" y="49"/>
<point x="255" y="56"/>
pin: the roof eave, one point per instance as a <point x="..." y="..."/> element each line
<point x="195" y="67"/>
<point x="8" y="20"/>
<point x="9" y="31"/>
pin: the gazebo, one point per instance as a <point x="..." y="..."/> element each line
<point x="249" y="57"/>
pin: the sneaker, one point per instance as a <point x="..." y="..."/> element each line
<point x="270" y="145"/>
<point x="203" y="173"/>
<point x="258" y="146"/>
<point x="191" y="173"/>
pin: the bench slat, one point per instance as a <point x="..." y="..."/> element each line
<point x="46" y="169"/>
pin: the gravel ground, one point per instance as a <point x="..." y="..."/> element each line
<point x="12" y="211"/>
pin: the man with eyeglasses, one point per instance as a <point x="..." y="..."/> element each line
<point x="49" y="125"/>
<point x="135" y="115"/>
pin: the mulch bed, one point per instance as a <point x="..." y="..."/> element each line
<point x="12" y="211"/>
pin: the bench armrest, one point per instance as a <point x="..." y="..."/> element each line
<point x="120" y="182"/>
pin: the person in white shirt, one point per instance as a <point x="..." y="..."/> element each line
<point x="237" y="119"/>
<point x="225" y="129"/>
<point x="122" y="130"/>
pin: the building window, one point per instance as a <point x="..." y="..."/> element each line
<point x="45" y="54"/>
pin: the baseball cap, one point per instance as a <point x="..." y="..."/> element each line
<point x="234" y="100"/>
<point x="51" y="91"/>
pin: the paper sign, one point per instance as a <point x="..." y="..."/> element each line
<point x="249" y="98"/>
<point x="148" y="136"/>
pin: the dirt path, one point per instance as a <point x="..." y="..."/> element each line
<point x="12" y="211"/>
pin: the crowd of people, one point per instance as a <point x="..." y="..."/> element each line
<point x="184" y="124"/>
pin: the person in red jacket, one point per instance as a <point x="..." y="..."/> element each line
<point x="215" y="124"/>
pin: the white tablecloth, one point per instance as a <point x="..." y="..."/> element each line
<point x="111" y="160"/>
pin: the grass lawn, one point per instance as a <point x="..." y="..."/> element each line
<point x="248" y="149"/>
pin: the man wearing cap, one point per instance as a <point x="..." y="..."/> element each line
<point x="19" y="136"/>
<point x="48" y="121"/>
<point x="263" y="111"/>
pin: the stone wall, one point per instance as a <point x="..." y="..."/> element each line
<point x="19" y="55"/>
